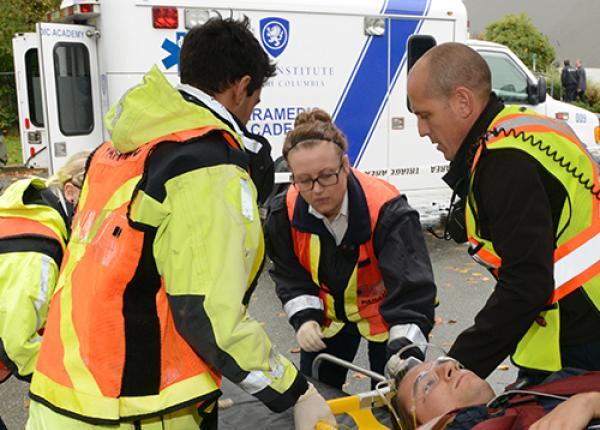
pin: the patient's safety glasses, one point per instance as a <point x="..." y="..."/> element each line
<point x="427" y="380"/>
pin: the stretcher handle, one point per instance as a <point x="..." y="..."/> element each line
<point x="343" y="363"/>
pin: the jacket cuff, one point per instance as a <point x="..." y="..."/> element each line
<point x="301" y="317"/>
<point x="279" y="402"/>
<point x="11" y="365"/>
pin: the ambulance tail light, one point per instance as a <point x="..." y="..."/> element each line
<point x="76" y="13"/>
<point x="86" y="8"/>
<point x="165" y="17"/>
<point x="597" y="134"/>
<point x="562" y="116"/>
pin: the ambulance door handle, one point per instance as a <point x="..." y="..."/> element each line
<point x="93" y="33"/>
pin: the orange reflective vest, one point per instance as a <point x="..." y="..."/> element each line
<point x="21" y="227"/>
<point x="365" y="290"/>
<point x="111" y="351"/>
<point x="576" y="257"/>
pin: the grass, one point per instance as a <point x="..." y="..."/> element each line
<point x="13" y="147"/>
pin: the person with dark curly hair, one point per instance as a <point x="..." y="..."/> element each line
<point x="151" y="305"/>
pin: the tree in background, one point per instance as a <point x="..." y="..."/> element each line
<point x="18" y="16"/>
<point x="523" y="38"/>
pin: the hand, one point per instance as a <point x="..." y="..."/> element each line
<point x="310" y="337"/>
<point x="574" y="413"/>
<point x="310" y="409"/>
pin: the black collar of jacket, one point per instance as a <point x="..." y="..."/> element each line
<point x="359" y="220"/>
<point x="458" y="175"/>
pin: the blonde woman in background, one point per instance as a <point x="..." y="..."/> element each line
<point x="35" y="220"/>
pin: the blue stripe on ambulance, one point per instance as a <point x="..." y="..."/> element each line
<point x="367" y="90"/>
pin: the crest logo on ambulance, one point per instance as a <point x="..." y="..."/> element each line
<point x="274" y="34"/>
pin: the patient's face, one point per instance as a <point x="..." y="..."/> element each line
<point x="434" y="388"/>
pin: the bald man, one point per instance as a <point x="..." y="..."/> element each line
<point x="528" y="218"/>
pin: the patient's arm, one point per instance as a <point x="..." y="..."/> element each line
<point x="574" y="413"/>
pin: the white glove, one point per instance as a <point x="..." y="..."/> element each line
<point x="310" y="409"/>
<point x="310" y="337"/>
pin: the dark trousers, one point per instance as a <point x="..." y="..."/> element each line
<point x="585" y="356"/>
<point x="343" y="345"/>
<point x="581" y="96"/>
<point x="570" y="94"/>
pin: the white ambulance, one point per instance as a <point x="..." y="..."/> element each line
<point x="348" y="57"/>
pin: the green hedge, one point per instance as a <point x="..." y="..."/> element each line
<point x="8" y="102"/>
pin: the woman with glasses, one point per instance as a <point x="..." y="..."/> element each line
<point x="35" y="220"/>
<point x="349" y="258"/>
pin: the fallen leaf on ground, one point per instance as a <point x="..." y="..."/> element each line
<point x="225" y="403"/>
<point x="295" y="351"/>
<point x="503" y="367"/>
<point x="281" y="314"/>
<point x="452" y="321"/>
<point x="438" y="321"/>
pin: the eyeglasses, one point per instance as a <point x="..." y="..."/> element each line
<point x="324" y="180"/>
<point x="426" y="380"/>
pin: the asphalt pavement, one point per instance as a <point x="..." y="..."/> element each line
<point x="463" y="287"/>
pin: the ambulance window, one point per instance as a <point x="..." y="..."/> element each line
<point x="34" y="87"/>
<point x="73" y="88"/>
<point x="508" y="81"/>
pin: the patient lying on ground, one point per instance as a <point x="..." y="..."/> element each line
<point x="441" y="394"/>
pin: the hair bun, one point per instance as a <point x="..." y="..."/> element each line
<point x="314" y="115"/>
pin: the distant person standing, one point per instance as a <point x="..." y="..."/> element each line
<point x="581" y="81"/>
<point x="569" y="79"/>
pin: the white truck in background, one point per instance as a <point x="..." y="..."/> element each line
<point x="348" y="57"/>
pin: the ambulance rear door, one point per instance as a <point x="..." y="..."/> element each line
<point x="30" y="100"/>
<point x="70" y="82"/>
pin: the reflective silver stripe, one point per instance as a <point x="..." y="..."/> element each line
<point x="257" y="380"/>
<point x="483" y="262"/>
<point x="526" y="120"/>
<point x="410" y="331"/>
<point x="302" y="302"/>
<point x="577" y="261"/>
<point x="119" y="108"/>
<point x="42" y="297"/>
